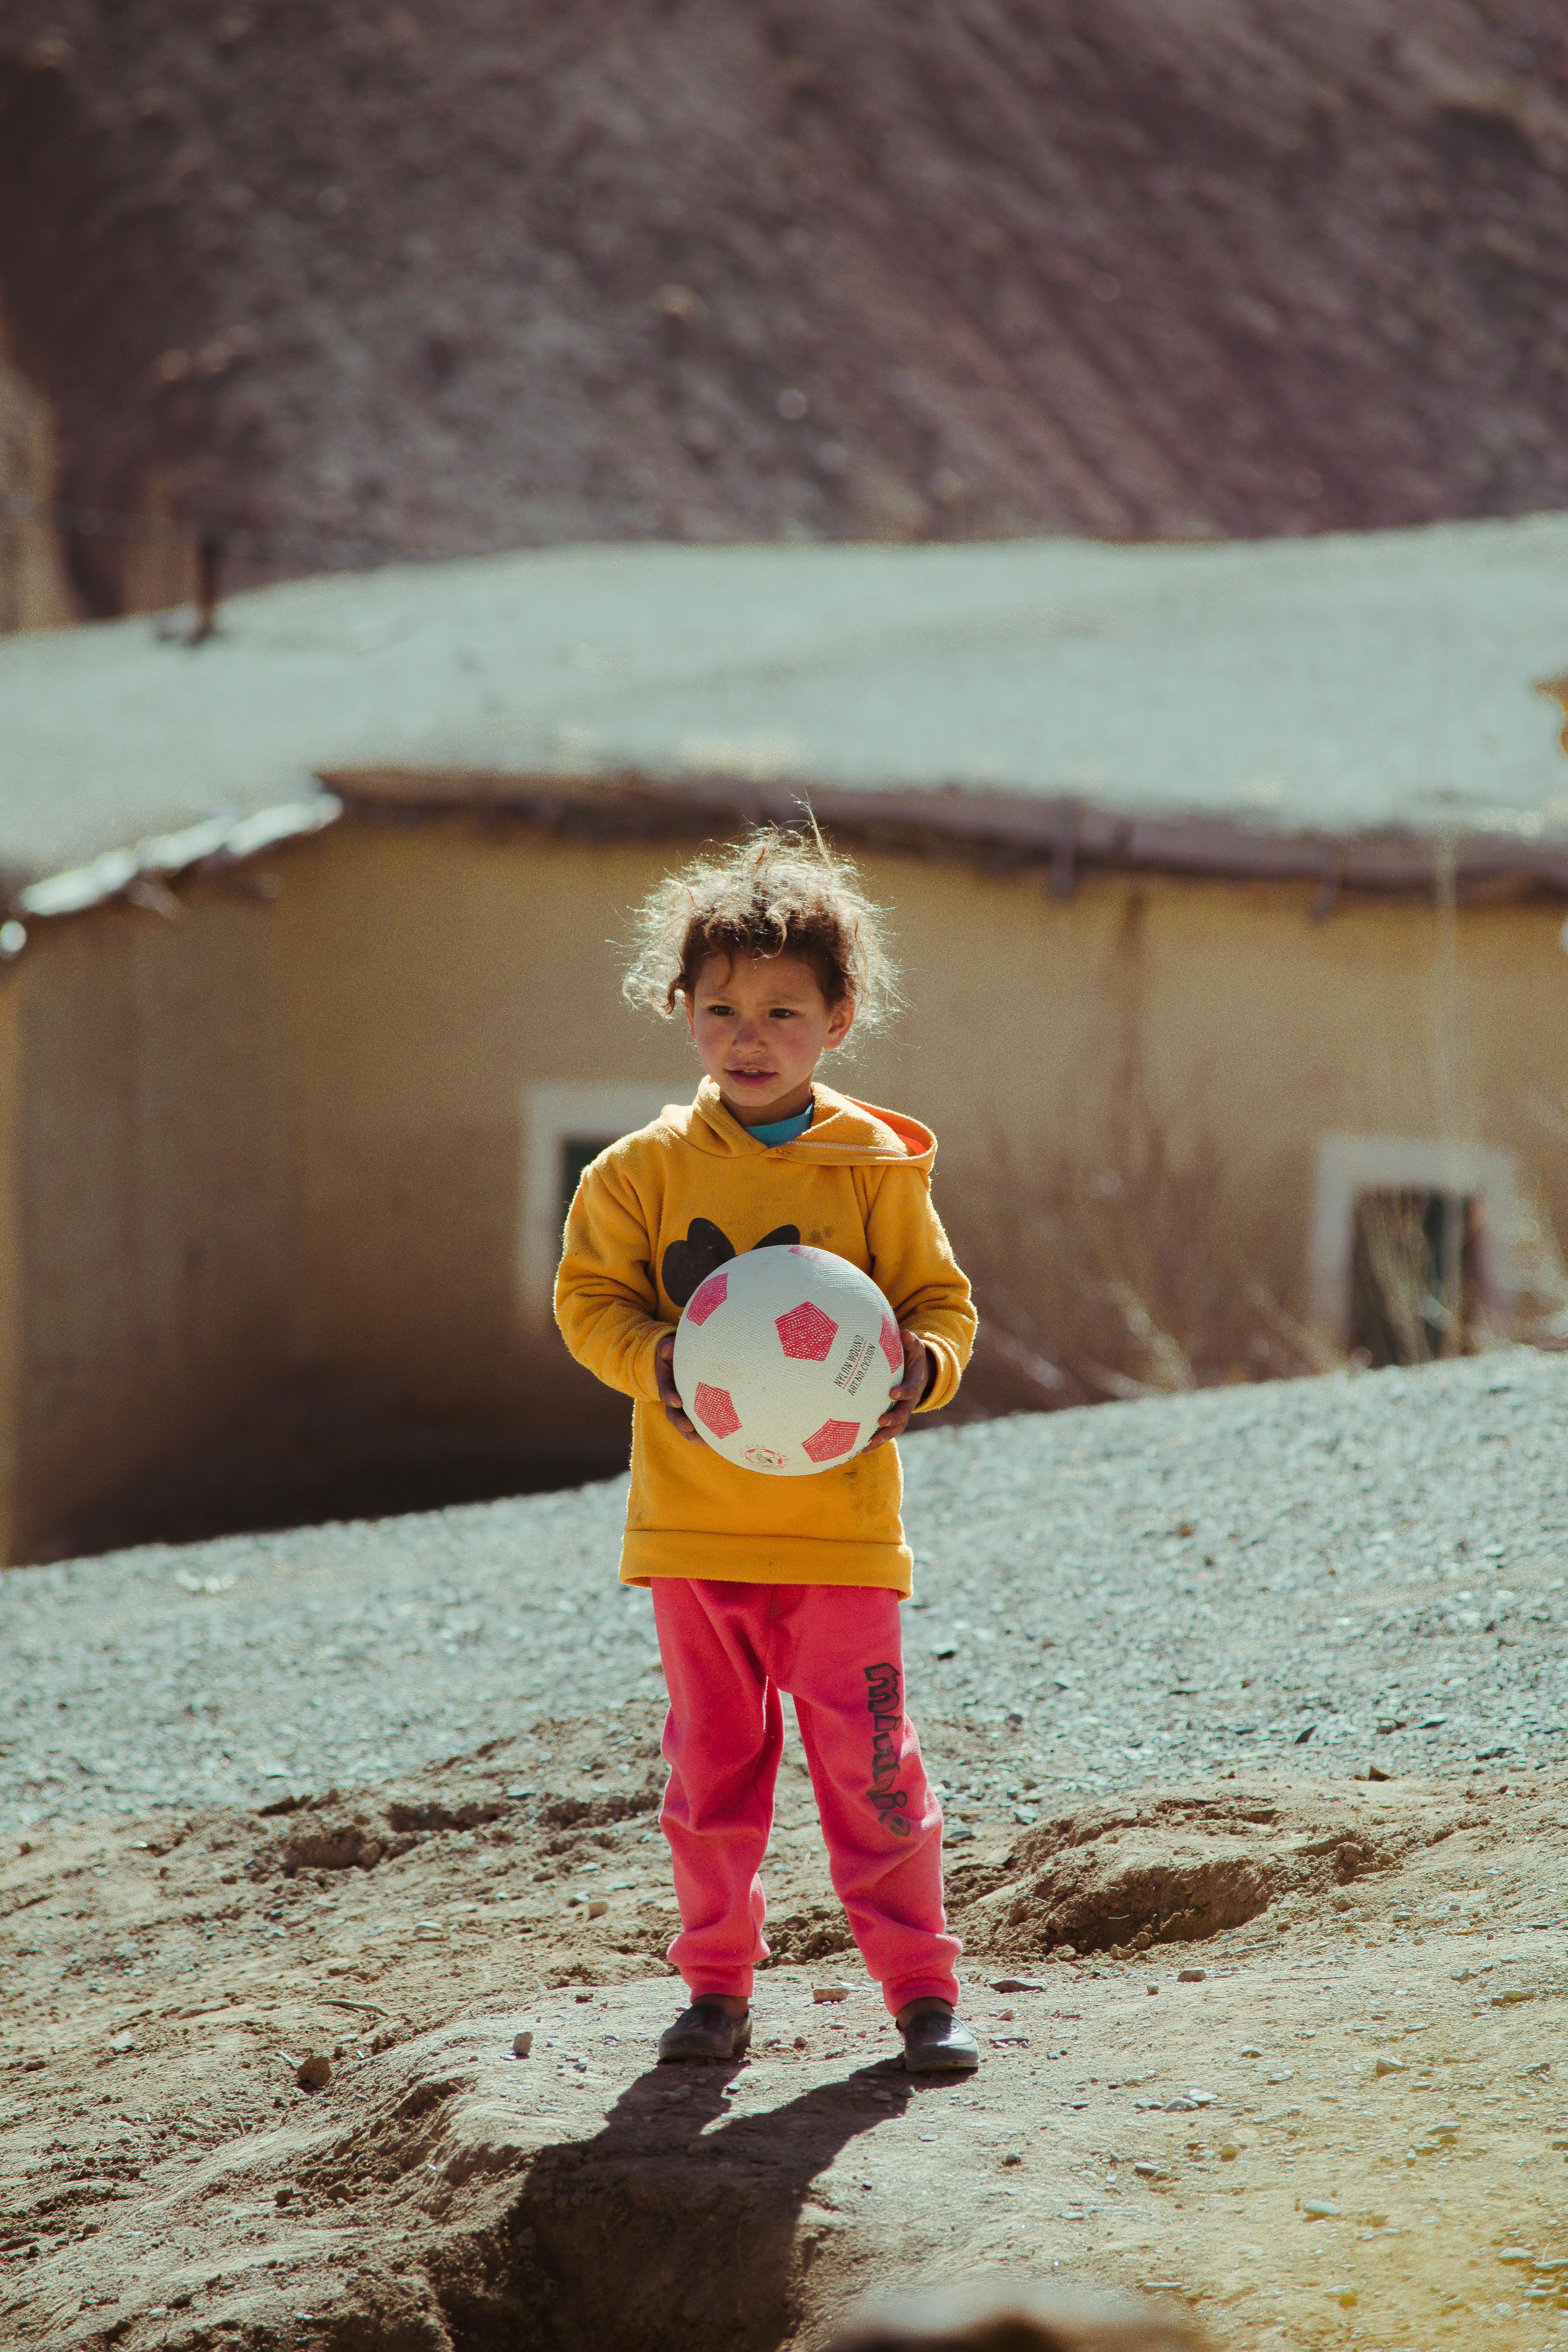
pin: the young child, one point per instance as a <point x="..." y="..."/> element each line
<point x="768" y="1585"/>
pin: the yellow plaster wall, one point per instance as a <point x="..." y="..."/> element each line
<point x="436" y="971"/>
<point x="153" y="1194"/>
<point x="1232" y="1013"/>
<point x="433" y="973"/>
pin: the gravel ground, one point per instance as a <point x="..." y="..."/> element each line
<point x="1368" y="1571"/>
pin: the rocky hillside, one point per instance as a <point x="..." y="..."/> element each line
<point x="458" y="274"/>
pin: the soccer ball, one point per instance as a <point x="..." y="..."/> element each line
<point x="785" y="1358"/>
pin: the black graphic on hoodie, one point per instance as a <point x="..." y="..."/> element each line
<point x="707" y="1247"/>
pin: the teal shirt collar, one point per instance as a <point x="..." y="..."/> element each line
<point x="784" y="1130"/>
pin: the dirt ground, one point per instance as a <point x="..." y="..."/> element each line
<point x="1347" y="2129"/>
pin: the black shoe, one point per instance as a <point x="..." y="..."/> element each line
<point x="937" y="2042"/>
<point x="705" y="2030"/>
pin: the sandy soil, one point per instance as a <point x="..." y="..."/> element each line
<point x="1347" y="2131"/>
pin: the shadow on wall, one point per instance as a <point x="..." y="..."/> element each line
<point x="322" y="1449"/>
<point x="1136" y="1277"/>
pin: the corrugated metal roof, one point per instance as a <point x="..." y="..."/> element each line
<point x="1340" y="686"/>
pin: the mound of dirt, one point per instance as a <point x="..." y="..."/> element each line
<point x="463" y="276"/>
<point x="258" y="2088"/>
<point x="1179" y="1868"/>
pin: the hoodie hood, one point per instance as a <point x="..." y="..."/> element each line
<point x="844" y="1133"/>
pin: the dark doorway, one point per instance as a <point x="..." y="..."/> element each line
<point x="1415" y="1275"/>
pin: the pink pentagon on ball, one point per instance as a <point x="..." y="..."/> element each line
<point x="893" y="1346"/>
<point x="707" y="1297"/>
<point x="715" y="1409"/>
<point x="834" y="1438"/>
<point x="806" y="1331"/>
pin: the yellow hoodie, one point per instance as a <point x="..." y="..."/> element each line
<point x="658" y="1211"/>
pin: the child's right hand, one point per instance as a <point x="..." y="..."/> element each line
<point x="669" y="1394"/>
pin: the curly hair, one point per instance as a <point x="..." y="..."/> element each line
<point x="774" y="894"/>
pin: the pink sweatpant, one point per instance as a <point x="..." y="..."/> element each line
<point x="728" y="1651"/>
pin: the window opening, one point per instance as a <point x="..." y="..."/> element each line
<point x="1416" y="1274"/>
<point x="566" y="1123"/>
<point x="577" y="1152"/>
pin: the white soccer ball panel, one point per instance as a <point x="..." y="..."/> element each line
<point x="785" y="1358"/>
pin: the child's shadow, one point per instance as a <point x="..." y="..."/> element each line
<point x="664" y="2231"/>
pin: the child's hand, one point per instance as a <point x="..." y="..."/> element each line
<point x="918" y="1369"/>
<point x="669" y="1395"/>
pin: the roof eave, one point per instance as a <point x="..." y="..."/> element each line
<point x="1063" y="834"/>
<point x="145" y="868"/>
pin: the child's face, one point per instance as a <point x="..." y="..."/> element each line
<point x="761" y="1024"/>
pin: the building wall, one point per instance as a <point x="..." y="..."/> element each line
<point x="438" y="972"/>
<point x="142" y="570"/>
<point x="291" y="1134"/>
<point x="152" y="1191"/>
<point x="1226" y="1012"/>
<point x="435" y="974"/>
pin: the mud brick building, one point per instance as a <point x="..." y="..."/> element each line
<point x="1233" y="873"/>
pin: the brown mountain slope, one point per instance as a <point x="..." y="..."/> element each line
<point x="462" y="274"/>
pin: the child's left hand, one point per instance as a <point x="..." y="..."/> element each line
<point x="918" y="1369"/>
<point x="669" y="1394"/>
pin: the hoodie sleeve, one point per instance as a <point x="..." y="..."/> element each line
<point x="913" y="1267"/>
<point x="606" y="1300"/>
